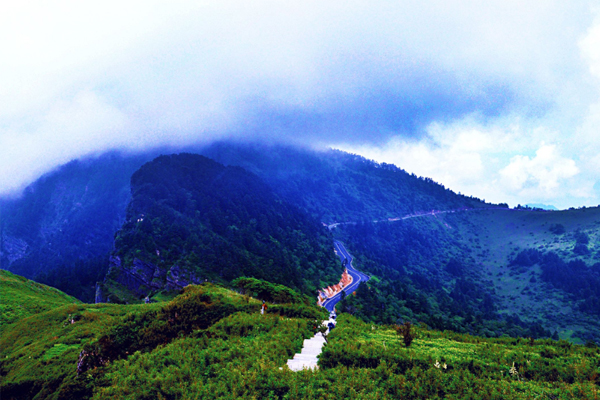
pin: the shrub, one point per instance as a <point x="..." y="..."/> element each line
<point x="405" y="331"/>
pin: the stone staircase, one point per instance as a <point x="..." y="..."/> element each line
<point x="307" y="359"/>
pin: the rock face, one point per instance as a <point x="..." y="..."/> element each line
<point x="177" y="278"/>
<point x="12" y="249"/>
<point x="100" y="296"/>
<point x="142" y="278"/>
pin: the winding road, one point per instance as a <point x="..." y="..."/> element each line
<point x="357" y="276"/>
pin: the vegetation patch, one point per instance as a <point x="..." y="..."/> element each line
<point x="57" y="350"/>
<point x="22" y="298"/>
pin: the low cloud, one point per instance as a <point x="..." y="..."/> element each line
<point x="499" y="162"/>
<point x="79" y="78"/>
<point x="539" y="176"/>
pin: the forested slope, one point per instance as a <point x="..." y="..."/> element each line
<point x="336" y="186"/>
<point x="191" y="219"/>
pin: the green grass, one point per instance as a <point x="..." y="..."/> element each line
<point x="57" y="350"/>
<point x="449" y="365"/>
<point x="501" y="234"/>
<point x="39" y="353"/>
<point x="212" y="343"/>
<point x="21" y="298"/>
<point x="361" y="361"/>
<point x="165" y="296"/>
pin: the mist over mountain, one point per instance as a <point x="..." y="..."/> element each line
<point x="62" y="228"/>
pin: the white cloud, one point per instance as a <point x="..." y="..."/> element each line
<point x="57" y="137"/>
<point x="540" y="175"/>
<point x="460" y="155"/>
<point x="499" y="162"/>
<point x="590" y="48"/>
<point x="83" y="77"/>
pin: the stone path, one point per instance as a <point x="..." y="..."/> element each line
<point x="311" y="348"/>
<point x="308" y="357"/>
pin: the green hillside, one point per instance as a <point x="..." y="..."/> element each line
<point x="528" y="287"/>
<point x="361" y="361"/>
<point x="20" y="298"/>
<point x="212" y="343"/>
<point x="486" y="272"/>
<point x="67" y="350"/>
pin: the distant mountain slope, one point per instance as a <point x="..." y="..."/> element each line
<point x="22" y="298"/>
<point x="62" y="228"/>
<point x="67" y="217"/>
<point x="336" y="186"/>
<point x="487" y="272"/>
<point x="191" y="218"/>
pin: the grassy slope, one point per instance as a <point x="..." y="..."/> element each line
<point x="21" y="298"/>
<point x="499" y="236"/>
<point x="475" y="367"/>
<point x="484" y="242"/>
<point x="243" y="355"/>
<point x="39" y="353"/>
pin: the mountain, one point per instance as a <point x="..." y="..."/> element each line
<point x="62" y="228"/>
<point x="451" y="261"/>
<point x="212" y="343"/>
<point x="191" y="219"/>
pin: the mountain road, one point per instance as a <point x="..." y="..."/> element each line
<point x="357" y="276"/>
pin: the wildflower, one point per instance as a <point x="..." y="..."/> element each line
<point x="437" y="364"/>
<point x="445" y="366"/>
<point x="513" y="370"/>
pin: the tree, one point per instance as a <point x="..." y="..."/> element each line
<point x="343" y="301"/>
<point x="557" y="229"/>
<point x="404" y="330"/>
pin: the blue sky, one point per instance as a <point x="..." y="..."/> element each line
<point x="496" y="99"/>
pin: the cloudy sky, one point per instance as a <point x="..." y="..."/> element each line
<point x="496" y="99"/>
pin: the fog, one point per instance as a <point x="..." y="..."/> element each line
<point x="498" y="100"/>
